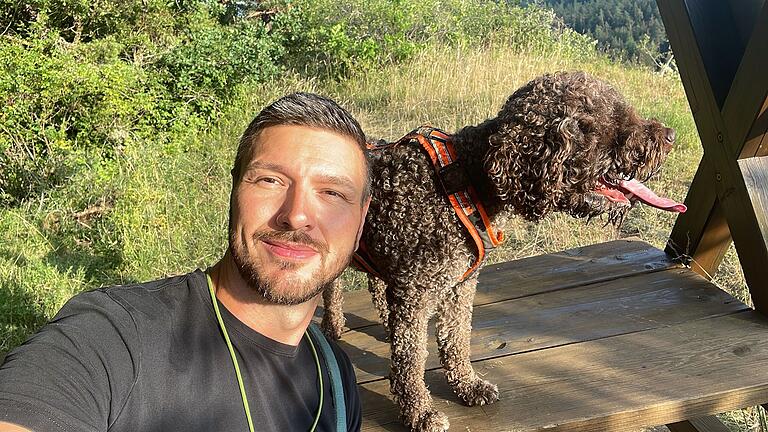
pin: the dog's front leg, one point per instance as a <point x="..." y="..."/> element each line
<point x="408" y="318"/>
<point x="454" y="329"/>
<point x="333" y="310"/>
<point x="378" y="289"/>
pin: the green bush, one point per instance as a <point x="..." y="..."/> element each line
<point x="86" y="20"/>
<point x="335" y="39"/>
<point x="205" y="70"/>
<point x="71" y="103"/>
<point x="63" y="105"/>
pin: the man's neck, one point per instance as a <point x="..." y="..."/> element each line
<point x="285" y="324"/>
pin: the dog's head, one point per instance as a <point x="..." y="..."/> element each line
<point x="569" y="142"/>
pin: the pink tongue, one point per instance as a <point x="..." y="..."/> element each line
<point x="614" y="195"/>
<point x="649" y="197"/>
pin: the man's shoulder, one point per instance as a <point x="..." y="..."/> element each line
<point x="154" y="296"/>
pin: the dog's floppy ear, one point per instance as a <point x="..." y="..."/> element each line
<point x="527" y="163"/>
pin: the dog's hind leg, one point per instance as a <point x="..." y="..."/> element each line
<point x="378" y="290"/>
<point x="454" y="328"/>
<point x="408" y="319"/>
<point x="333" y="310"/>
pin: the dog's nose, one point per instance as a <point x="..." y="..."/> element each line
<point x="670" y="136"/>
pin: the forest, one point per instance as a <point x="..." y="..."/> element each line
<point x="627" y="29"/>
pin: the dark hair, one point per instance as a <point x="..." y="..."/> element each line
<point x="302" y="109"/>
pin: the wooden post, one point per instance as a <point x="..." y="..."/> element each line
<point x="755" y="171"/>
<point x="720" y="49"/>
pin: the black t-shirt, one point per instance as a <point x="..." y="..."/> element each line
<point x="151" y="357"/>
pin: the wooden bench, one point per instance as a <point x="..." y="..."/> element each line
<point x="608" y="337"/>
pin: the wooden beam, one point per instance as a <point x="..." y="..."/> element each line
<point x="710" y="22"/>
<point x="755" y="171"/>
<point x="745" y="107"/>
<point x="691" y="226"/>
<point x="703" y="233"/>
<point x="702" y="238"/>
<point x="699" y="424"/>
<point x="725" y="135"/>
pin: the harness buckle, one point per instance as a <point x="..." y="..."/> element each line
<point x="453" y="177"/>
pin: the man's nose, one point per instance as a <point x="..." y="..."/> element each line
<point x="296" y="213"/>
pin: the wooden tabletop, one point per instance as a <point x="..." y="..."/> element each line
<point x="607" y="337"/>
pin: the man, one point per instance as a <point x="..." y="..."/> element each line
<point x="154" y="356"/>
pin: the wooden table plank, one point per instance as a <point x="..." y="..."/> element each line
<point x="652" y="377"/>
<point x="529" y="276"/>
<point x="563" y="317"/>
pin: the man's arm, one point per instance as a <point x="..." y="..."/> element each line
<point x="75" y="373"/>
<point x="10" y="427"/>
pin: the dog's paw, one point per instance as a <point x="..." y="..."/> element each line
<point x="432" y="421"/>
<point x="480" y="393"/>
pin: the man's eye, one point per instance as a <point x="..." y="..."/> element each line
<point x="336" y="194"/>
<point x="269" y="180"/>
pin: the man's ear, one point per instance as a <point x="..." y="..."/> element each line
<point x="366" y="204"/>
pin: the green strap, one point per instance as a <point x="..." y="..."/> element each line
<point x="243" y="396"/>
<point x="337" y="387"/>
<point x="236" y="365"/>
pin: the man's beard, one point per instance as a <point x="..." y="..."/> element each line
<point x="299" y="291"/>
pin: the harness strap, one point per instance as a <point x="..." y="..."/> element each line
<point x="337" y="387"/>
<point x="362" y="260"/>
<point x="462" y="195"/>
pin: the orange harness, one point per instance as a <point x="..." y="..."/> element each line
<point x="459" y="190"/>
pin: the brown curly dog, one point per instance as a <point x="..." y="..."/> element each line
<point x="565" y="142"/>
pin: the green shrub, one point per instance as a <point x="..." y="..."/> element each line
<point x="73" y="104"/>
<point x="86" y="20"/>
<point x="63" y="105"/>
<point x="335" y="39"/>
<point x="205" y="70"/>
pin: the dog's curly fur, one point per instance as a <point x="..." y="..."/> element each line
<point x="550" y="145"/>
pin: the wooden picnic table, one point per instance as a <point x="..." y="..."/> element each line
<point x="607" y="337"/>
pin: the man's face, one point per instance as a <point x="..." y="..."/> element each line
<point x="296" y="215"/>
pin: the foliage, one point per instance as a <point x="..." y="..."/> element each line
<point x="335" y="39"/>
<point x="618" y="25"/>
<point x="81" y="83"/>
<point x="64" y="104"/>
<point x="204" y="70"/>
<point x="78" y="21"/>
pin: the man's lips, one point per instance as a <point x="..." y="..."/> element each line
<point x="290" y="250"/>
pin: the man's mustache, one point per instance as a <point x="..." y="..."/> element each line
<point x="298" y="237"/>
